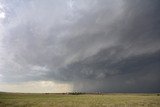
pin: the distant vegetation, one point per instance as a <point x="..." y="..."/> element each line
<point x="76" y="93"/>
<point x="78" y="99"/>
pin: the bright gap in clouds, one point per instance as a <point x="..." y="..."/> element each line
<point x="2" y="13"/>
<point x="36" y="87"/>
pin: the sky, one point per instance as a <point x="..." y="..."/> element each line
<point x="79" y="45"/>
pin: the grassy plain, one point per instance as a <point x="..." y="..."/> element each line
<point x="84" y="100"/>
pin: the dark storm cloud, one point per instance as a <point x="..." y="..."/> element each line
<point x="100" y="45"/>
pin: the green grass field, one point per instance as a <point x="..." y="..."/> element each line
<point x="84" y="100"/>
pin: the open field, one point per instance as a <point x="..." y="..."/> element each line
<point x="83" y="100"/>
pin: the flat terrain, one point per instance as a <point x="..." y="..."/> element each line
<point x="83" y="100"/>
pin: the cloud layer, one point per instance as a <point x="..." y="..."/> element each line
<point x="95" y="45"/>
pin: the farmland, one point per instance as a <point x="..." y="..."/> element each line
<point x="82" y="100"/>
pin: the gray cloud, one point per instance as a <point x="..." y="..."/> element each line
<point x="109" y="46"/>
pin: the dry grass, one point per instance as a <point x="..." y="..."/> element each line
<point x="84" y="100"/>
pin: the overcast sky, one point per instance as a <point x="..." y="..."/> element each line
<point x="80" y="45"/>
